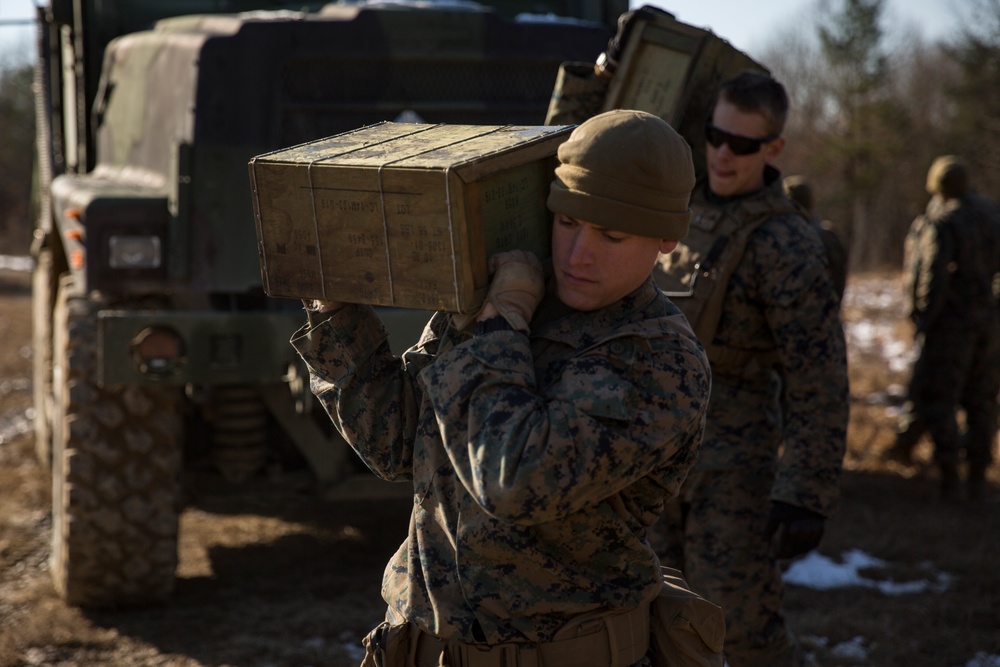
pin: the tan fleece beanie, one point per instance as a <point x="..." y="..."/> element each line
<point x="626" y="170"/>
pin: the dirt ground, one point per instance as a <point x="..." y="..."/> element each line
<point x="277" y="574"/>
<point x="271" y="573"/>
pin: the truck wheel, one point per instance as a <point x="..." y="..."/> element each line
<point x="115" y="474"/>
<point x="42" y="293"/>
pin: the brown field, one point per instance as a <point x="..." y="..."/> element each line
<point x="273" y="574"/>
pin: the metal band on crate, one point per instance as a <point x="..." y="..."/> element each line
<point x="319" y="246"/>
<point x="451" y="233"/>
<point x="447" y="192"/>
<point x="312" y="191"/>
<point x="260" y="224"/>
<point x="385" y="236"/>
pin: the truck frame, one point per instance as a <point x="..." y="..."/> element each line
<point x="156" y="349"/>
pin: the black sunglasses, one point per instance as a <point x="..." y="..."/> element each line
<point x="738" y="144"/>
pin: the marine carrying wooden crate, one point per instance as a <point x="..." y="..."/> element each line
<point x="673" y="70"/>
<point x="399" y="214"/>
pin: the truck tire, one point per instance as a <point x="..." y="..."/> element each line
<point x="115" y="474"/>
<point x="42" y="292"/>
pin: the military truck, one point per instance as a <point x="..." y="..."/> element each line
<point x="157" y="354"/>
<point x="156" y="349"/>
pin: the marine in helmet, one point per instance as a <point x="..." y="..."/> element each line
<point x="798" y="189"/>
<point x="952" y="261"/>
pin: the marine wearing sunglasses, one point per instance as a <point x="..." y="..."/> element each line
<point x="737" y="143"/>
<point x="738" y="146"/>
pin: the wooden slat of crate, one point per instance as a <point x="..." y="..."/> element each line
<point x="673" y="70"/>
<point x="286" y="213"/>
<point x="654" y="70"/>
<point x="402" y="215"/>
<point x="396" y="244"/>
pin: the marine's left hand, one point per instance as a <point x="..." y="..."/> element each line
<point x="798" y="530"/>
<point x="321" y="305"/>
<point x="608" y="62"/>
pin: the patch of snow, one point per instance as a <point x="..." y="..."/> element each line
<point x="983" y="660"/>
<point x="14" y="263"/>
<point x="352" y="647"/>
<point x="819" y="572"/>
<point x="853" y="649"/>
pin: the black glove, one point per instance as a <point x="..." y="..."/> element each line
<point x="798" y="530"/>
<point x="608" y="61"/>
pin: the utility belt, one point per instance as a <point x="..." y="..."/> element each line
<point x="678" y="629"/>
<point x="615" y="640"/>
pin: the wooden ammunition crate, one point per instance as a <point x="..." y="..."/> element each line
<point x="399" y="214"/>
<point x="673" y="70"/>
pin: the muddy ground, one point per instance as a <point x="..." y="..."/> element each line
<point x="278" y="573"/>
<point x="272" y="572"/>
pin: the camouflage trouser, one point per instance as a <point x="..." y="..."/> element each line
<point x="957" y="369"/>
<point x="714" y="533"/>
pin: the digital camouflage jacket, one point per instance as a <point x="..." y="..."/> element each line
<point x="781" y="309"/>
<point x="952" y="259"/>
<point x="785" y="406"/>
<point x="537" y="463"/>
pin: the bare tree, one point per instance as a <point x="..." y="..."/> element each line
<point x="974" y="130"/>
<point x="17" y="132"/>
<point x="866" y="121"/>
<point x="795" y="59"/>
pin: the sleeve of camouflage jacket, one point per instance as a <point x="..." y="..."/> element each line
<point x="529" y="456"/>
<point x="934" y="278"/>
<point x="372" y="397"/>
<point x="803" y="315"/>
<point x="578" y="94"/>
<point x="912" y="264"/>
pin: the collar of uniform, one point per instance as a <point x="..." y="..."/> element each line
<point x="558" y="322"/>
<point x="771" y="176"/>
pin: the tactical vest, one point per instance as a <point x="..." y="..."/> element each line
<point x="695" y="275"/>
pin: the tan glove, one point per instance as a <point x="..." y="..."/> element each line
<point x="321" y="306"/>
<point x="517" y="287"/>
<point x="319" y="310"/>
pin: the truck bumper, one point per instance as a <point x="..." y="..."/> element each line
<point x="216" y="348"/>
<point x="222" y="347"/>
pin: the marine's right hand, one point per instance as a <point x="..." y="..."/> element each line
<point x="516" y="288"/>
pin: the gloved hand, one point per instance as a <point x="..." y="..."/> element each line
<point x="516" y="288"/>
<point x="798" y="530"/>
<point x="321" y="306"/>
<point x="608" y="61"/>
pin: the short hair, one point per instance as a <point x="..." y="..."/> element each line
<point x="756" y="92"/>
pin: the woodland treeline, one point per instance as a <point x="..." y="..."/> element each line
<point x="872" y="107"/>
<point x="17" y="141"/>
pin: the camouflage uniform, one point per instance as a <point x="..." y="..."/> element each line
<point x="537" y="464"/>
<point x="836" y="256"/>
<point x="800" y="192"/>
<point x="578" y="94"/>
<point x="776" y="426"/>
<point x="953" y="256"/>
<point x="776" y="429"/>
